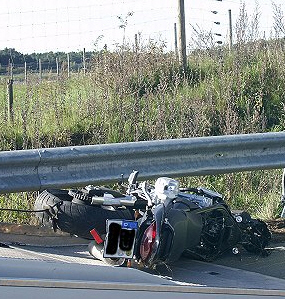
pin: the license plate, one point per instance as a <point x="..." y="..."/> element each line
<point x="120" y="239"/>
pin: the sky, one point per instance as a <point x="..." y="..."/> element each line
<point x="71" y="25"/>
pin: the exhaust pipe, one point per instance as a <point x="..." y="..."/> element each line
<point x="97" y="251"/>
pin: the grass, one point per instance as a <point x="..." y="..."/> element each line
<point x="258" y="192"/>
<point x="131" y="96"/>
<point x="20" y="201"/>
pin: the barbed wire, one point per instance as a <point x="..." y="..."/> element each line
<point x="81" y="24"/>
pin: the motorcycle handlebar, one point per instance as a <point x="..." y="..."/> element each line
<point x="114" y="201"/>
<point x="195" y="190"/>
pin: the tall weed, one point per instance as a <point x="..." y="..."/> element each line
<point x="141" y="93"/>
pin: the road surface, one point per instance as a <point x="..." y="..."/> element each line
<point x="57" y="266"/>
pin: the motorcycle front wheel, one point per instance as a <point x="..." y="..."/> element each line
<point x="258" y="236"/>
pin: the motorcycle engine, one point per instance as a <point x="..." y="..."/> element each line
<point x="213" y="227"/>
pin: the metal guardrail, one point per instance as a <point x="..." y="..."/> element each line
<point x="64" y="167"/>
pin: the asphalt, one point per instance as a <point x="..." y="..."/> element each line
<point x="39" y="253"/>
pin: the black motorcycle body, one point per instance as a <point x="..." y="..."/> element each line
<point x="182" y="226"/>
<point x="137" y="226"/>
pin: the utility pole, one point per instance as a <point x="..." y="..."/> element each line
<point x="231" y="31"/>
<point x="182" y="35"/>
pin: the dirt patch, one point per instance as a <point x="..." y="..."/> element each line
<point x="277" y="228"/>
<point x="25" y="229"/>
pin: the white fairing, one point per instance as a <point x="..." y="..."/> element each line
<point x="165" y="188"/>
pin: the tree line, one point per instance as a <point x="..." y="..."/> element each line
<point x="48" y="60"/>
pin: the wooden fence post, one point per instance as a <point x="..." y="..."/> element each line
<point x="68" y="65"/>
<point x="231" y="31"/>
<point x="57" y="67"/>
<point x="26" y="73"/>
<point x="40" y="69"/>
<point x="182" y="35"/>
<point x="84" y="61"/>
<point x="175" y="41"/>
<point x="10" y="100"/>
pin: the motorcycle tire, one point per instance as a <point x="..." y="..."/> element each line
<point x="259" y="237"/>
<point x="60" y="212"/>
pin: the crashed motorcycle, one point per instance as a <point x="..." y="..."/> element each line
<point x="152" y="224"/>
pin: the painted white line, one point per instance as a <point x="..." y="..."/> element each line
<point x="135" y="287"/>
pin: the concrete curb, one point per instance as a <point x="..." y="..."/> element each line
<point x="136" y="287"/>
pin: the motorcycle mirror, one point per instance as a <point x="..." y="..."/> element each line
<point x="120" y="182"/>
<point x="133" y="177"/>
<point x="209" y="193"/>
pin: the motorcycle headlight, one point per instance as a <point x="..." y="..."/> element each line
<point x="166" y="188"/>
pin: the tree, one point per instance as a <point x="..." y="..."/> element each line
<point x="11" y="55"/>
